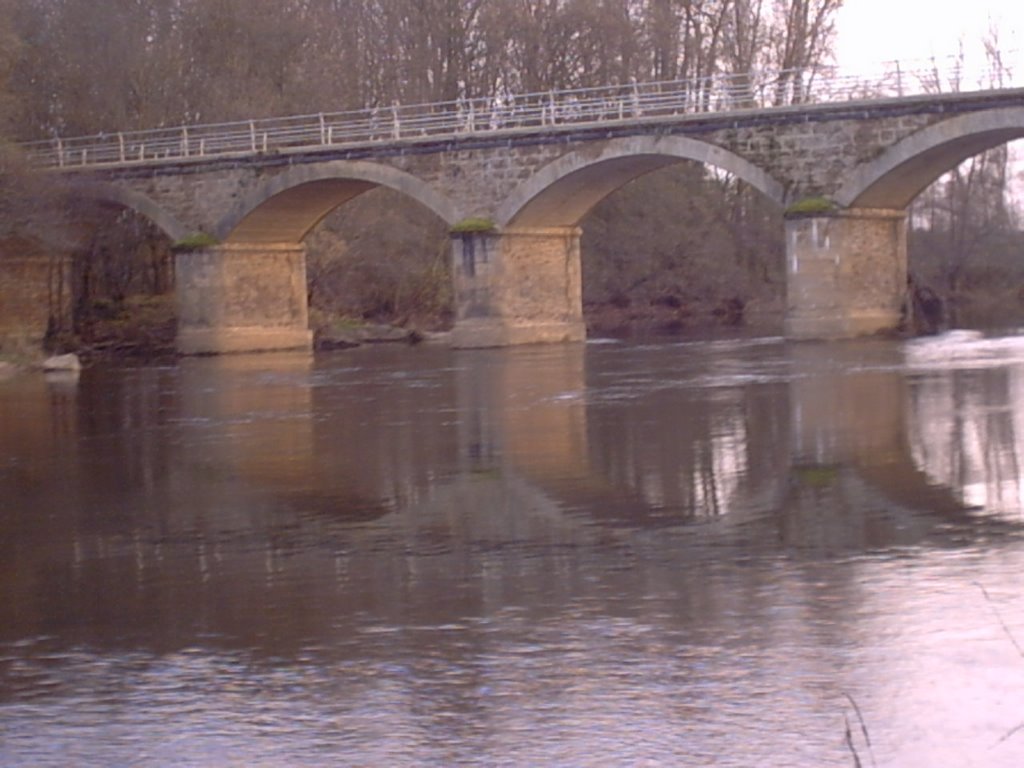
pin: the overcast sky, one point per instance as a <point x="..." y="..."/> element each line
<point x="874" y="31"/>
<point x="884" y="30"/>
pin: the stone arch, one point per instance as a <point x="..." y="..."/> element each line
<point x="135" y="201"/>
<point x="903" y="171"/>
<point x="289" y="205"/>
<point x="562" y="192"/>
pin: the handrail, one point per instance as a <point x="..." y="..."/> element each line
<point x="497" y="114"/>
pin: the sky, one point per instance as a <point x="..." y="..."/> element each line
<point x="874" y="31"/>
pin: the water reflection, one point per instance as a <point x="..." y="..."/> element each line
<point x="417" y="556"/>
<point x="968" y="429"/>
<point x="853" y="481"/>
<point x="246" y="468"/>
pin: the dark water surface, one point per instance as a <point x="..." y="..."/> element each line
<point x="614" y="554"/>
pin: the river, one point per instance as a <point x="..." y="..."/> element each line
<point x="736" y="552"/>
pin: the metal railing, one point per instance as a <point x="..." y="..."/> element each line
<point x="502" y="114"/>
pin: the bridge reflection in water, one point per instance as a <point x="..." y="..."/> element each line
<point x="558" y="541"/>
<point x="258" y="458"/>
<point x="627" y="436"/>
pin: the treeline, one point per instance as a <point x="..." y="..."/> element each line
<point x="966" y="244"/>
<point x="84" y="66"/>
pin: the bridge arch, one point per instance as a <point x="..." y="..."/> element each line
<point x="903" y="171"/>
<point x="562" y="192"/>
<point x="288" y="206"/>
<point x="135" y="201"/>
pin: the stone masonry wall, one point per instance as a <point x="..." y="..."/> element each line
<point x="242" y="297"/>
<point x="33" y="289"/>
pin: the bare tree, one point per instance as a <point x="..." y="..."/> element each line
<point x="964" y="229"/>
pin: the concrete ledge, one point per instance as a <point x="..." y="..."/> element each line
<point x="220" y="341"/>
<point x="482" y="334"/>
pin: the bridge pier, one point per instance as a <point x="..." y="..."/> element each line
<point x="517" y="286"/>
<point x="846" y="273"/>
<point x="242" y="297"/>
<point x="35" y="295"/>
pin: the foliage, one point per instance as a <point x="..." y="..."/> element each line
<point x="384" y="258"/>
<point x="125" y="259"/>
<point x="682" y="236"/>
<point x="173" y="61"/>
<point x="965" y="237"/>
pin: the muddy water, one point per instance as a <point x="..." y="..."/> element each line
<point x="721" y="553"/>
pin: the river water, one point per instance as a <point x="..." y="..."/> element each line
<point x="711" y="553"/>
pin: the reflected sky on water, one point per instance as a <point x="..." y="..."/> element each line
<point x="676" y="553"/>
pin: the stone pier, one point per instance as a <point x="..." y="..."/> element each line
<point x="517" y="286"/>
<point x="846" y="273"/>
<point x="35" y="295"/>
<point x="242" y="297"/>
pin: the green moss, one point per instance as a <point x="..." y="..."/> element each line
<point x="473" y="224"/>
<point x="811" y="206"/>
<point x="195" y="242"/>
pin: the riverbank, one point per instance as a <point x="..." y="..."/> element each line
<point x="673" y="317"/>
<point x="145" y="328"/>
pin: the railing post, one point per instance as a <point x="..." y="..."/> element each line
<point x="252" y="134"/>
<point x="396" y="128"/>
<point x="184" y="141"/>
<point x="120" y="144"/>
<point x="60" y="153"/>
<point x="323" y="129"/>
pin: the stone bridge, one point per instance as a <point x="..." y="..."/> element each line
<point x="515" y="199"/>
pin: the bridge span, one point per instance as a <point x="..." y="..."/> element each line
<point x="514" y="176"/>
